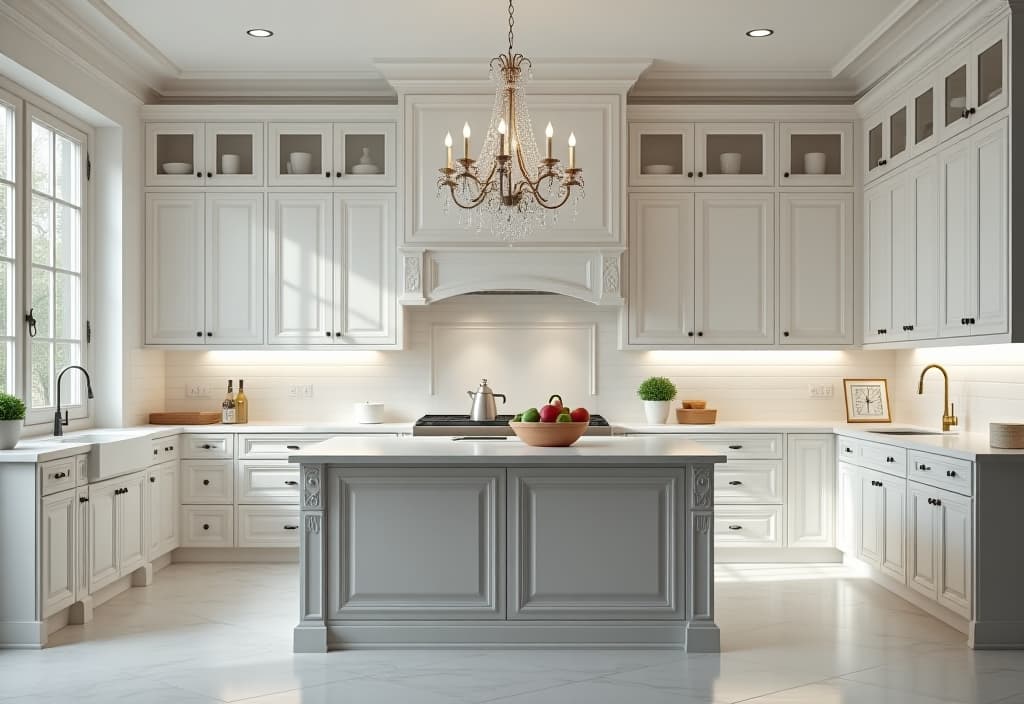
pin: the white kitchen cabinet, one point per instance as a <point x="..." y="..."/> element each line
<point x="881" y="523"/>
<point x="268" y="526"/>
<point x="926" y="114"/>
<point x="922" y="540"/>
<point x="879" y="220"/>
<point x="799" y="147"/>
<point x="940" y="540"/>
<point x="848" y="492"/>
<point x="173" y="144"/>
<point x="131" y="523"/>
<point x="117" y="530"/>
<point x="973" y="80"/>
<point x="974" y="229"/>
<point x="735" y="154"/>
<point x="332" y="269"/>
<point x="175" y="268"/>
<point x="661" y="265"/>
<point x="301" y="154"/>
<point x="868" y="521"/>
<point x="162" y="508"/>
<point x="915" y="256"/>
<point x="234" y="154"/>
<point x="82" y="542"/>
<point x="810" y="490"/>
<point x="816" y="269"/>
<point x="204" y="266"/>
<point x="734" y="269"/>
<point x="359" y="146"/>
<point x="661" y="154"/>
<point x="58" y="553"/>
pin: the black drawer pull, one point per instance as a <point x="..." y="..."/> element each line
<point x="60" y="475"/>
<point x="206" y="447"/>
<point x="293" y="447"/>
<point x="924" y="468"/>
<point x="291" y="527"/>
<point x="83" y="499"/>
<point x="735" y="482"/>
<point x="735" y="447"/>
<point x="291" y="482"/>
<point x="951" y="473"/>
<point x="156" y="452"/>
<point x="169" y="449"/>
<point x="735" y="527"/>
<point x="206" y="482"/>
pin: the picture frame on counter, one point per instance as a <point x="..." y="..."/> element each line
<point x="867" y="401"/>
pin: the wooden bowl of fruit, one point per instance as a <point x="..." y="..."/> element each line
<point x="552" y="425"/>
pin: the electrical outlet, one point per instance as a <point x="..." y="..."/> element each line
<point x="197" y="391"/>
<point x="307" y="391"/>
<point x="293" y="391"/>
<point x="819" y="390"/>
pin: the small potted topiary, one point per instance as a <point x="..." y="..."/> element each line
<point x="657" y="393"/>
<point x="12" y="418"/>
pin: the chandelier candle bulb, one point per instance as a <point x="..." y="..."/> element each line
<point x="448" y="148"/>
<point x="572" y="150"/>
<point x="465" y="139"/>
<point x="502" y="129"/>
<point x="549" y="133"/>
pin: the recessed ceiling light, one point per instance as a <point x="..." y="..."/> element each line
<point x="760" y="32"/>
<point x="259" y="33"/>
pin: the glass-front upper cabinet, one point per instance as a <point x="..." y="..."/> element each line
<point x="661" y="154"/>
<point x="737" y="154"/>
<point x="973" y="81"/>
<point x="364" y="154"/>
<point x="175" y="154"/>
<point x="301" y="154"/>
<point x="924" y="109"/>
<point x="816" y="154"/>
<point x="234" y="154"/>
<point x="887" y="142"/>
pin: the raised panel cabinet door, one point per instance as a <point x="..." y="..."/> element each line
<point x="660" y="306"/>
<point x="301" y="273"/>
<point x="869" y="520"/>
<point x="810" y="490"/>
<point x="955" y="541"/>
<point x="364" y="260"/>
<point x="894" y="528"/>
<point x="816" y="269"/>
<point x="922" y="572"/>
<point x="958" y="244"/>
<point x="848" y="507"/>
<point x="878" y="220"/>
<point x="131" y="526"/>
<point x="57" y="589"/>
<point x="104" y="567"/>
<point x="234" y="269"/>
<point x="416" y="543"/>
<point x="600" y="543"/>
<point x="917" y="275"/>
<point x="82" y="542"/>
<point x="175" y="269"/>
<point x="989" y="194"/>
<point x="734" y="269"/>
<point x="162" y="508"/>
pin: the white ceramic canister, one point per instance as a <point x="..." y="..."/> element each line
<point x="730" y="162"/>
<point x="367" y="413"/>
<point x="230" y="163"/>
<point x="814" y="163"/>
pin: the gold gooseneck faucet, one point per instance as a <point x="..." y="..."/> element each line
<point x="949" y="421"/>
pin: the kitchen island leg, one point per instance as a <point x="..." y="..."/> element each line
<point x="702" y="634"/>
<point x="310" y="634"/>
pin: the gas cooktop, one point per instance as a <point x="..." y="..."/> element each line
<point x="461" y="425"/>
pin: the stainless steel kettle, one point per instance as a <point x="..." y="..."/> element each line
<point x="484" y="407"/>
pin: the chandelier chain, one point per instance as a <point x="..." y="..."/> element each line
<point x="511" y="22"/>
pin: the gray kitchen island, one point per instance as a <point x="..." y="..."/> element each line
<point x="433" y="542"/>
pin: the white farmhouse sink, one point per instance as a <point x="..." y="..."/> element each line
<point x="114" y="453"/>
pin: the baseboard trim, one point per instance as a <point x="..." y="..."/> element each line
<point x="22" y="634"/>
<point x="257" y="555"/>
<point x="728" y="556"/>
<point x="996" y="635"/>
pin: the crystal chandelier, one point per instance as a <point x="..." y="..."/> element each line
<point x="509" y="188"/>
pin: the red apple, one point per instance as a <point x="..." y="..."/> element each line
<point x="549" y="413"/>
<point x="580" y="415"/>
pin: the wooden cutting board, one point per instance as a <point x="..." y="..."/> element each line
<point x="185" y="418"/>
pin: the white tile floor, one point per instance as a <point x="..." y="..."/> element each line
<point x="203" y="634"/>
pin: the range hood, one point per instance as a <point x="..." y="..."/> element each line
<point x="589" y="274"/>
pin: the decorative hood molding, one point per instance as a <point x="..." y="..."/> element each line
<point x="589" y="274"/>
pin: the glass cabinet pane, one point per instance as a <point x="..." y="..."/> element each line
<point x="735" y="154"/>
<point x="234" y="154"/>
<point x="364" y="154"/>
<point x="956" y="95"/>
<point x="301" y="154"/>
<point x="174" y="153"/>
<point x="898" y="132"/>
<point x="816" y="154"/>
<point x="661" y="154"/>
<point x="874" y="147"/>
<point x="924" y="110"/>
<point x="990" y="73"/>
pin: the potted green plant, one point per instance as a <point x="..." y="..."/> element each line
<point x="12" y="418"/>
<point x="657" y="393"/>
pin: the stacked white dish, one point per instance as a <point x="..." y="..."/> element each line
<point x="1006" y="435"/>
<point x="177" y="168"/>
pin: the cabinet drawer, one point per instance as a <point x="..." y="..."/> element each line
<point x="267" y="482"/>
<point x="268" y="527"/>
<point x="874" y="455"/>
<point x="207" y="482"/>
<point x="58" y="475"/>
<point x="274" y="447"/>
<point x="208" y="447"/>
<point x="749" y="482"/>
<point x="207" y="526"/>
<point x="166" y="449"/>
<point x="742" y="526"/>
<point x="942" y="472"/>
<point x="743" y="447"/>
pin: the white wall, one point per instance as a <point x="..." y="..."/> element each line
<point x="528" y="347"/>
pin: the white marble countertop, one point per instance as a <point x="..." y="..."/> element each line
<point x="43" y="448"/>
<point x="588" y="451"/>
<point x="967" y="446"/>
<point x="730" y="426"/>
<point x="299" y="428"/>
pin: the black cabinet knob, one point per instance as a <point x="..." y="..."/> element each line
<point x="152" y="480"/>
<point x="972" y="111"/>
<point x="931" y="501"/>
<point x="199" y="174"/>
<point x="206" y="526"/>
<point x="700" y="334"/>
<point x="83" y="499"/>
<point x="690" y="334"/>
<point x="938" y="502"/>
<point x="337" y="174"/>
<point x="700" y="174"/>
<point x="206" y="482"/>
<point x="785" y="175"/>
<point x="951" y="473"/>
<point x="689" y="174"/>
<point x="209" y="334"/>
<point x="328" y="333"/>
<point x="337" y="334"/>
<point x="786" y="333"/>
<point x="209" y="174"/>
<point x="327" y="174"/>
<point x="735" y="483"/>
<point x="973" y="321"/>
<point x="199" y="333"/>
<point x="156" y="452"/>
<point x="848" y="449"/>
<point x="734" y="527"/>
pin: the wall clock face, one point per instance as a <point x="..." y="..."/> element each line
<point x="867" y="400"/>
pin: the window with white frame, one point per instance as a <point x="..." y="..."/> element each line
<point x="54" y="246"/>
<point x="8" y="213"/>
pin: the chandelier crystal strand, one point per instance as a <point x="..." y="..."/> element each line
<point x="510" y="189"/>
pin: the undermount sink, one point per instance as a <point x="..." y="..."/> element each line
<point x="114" y="453"/>
<point x="905" y="432"/>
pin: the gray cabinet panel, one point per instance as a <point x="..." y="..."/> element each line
<point x="595" y="543"/>
<point x="416" y="543"/>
